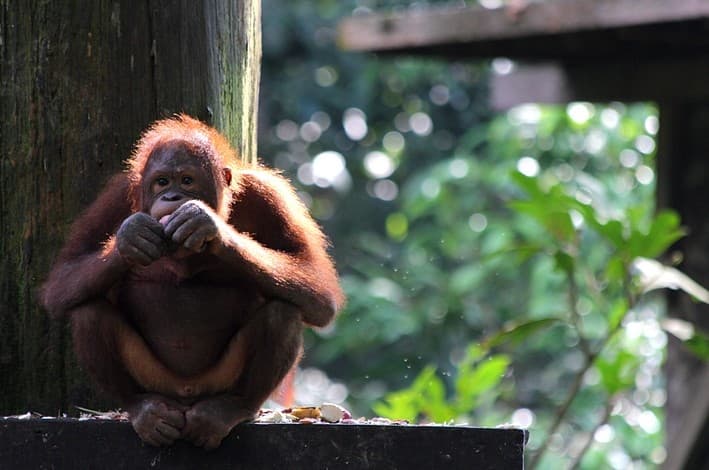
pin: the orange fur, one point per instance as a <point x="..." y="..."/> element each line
<point x="269" y="255"/>
<point x="153" y="375"/>
<point x="204" y="141"/>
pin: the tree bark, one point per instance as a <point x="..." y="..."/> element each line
<point x="79" y="81"/>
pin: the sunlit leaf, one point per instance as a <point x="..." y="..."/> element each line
<point x="409" y="403"/>
<point x="473" y="382"/>
<point x="617" y="313"/>
<point x="618" y="371"/>
<point x="475" y="352"/>
<point x="530" y="208"/>
<point x="664" y="231"/>
<point x="653" y="241"/>
<point x="615" y="270"/>
<point x="654" y="275"/>
<point x="613" y="232"/>
<point x="397" y="405"/>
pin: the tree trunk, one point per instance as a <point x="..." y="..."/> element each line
<point x="79" y="81"/>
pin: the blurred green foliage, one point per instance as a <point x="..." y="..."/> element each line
<point x="488" y="258"/>
<point x="476" y="380"/>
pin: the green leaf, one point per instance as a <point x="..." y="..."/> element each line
<point x="560" y="225"/>
<point x="397" y="405"/>
<point x="475" y="381"/>
<point x="529" y="184"/>
<point x="528" y="207"/>
<point x="615" y="270"/>
<point x="426" y="379"/>
<point x="611" y="230"/>
<point x="474" y="353"/>
<point x="699" y="345"/>
<point x="664" y="231"/>
<point x="618" y="372"/>
<point x="517" y="332"/>
<point x="617" y="313"/>
<point x="409" y="403"/>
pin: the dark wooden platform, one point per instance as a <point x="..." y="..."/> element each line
<point x="100" y="444"/>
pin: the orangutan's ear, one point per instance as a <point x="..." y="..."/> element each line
<point x="227" y="175"/>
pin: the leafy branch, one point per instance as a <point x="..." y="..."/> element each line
<point x="632" y="243"/>
<point x="628" y="272"/>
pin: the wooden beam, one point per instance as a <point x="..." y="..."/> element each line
<point x="70" y="444"/>
<point x="584" y="27"/>
<point x="562" y="82"/>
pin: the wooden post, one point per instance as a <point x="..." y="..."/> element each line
<point x="683" y="170"/>
<point x="79" y="81"/>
